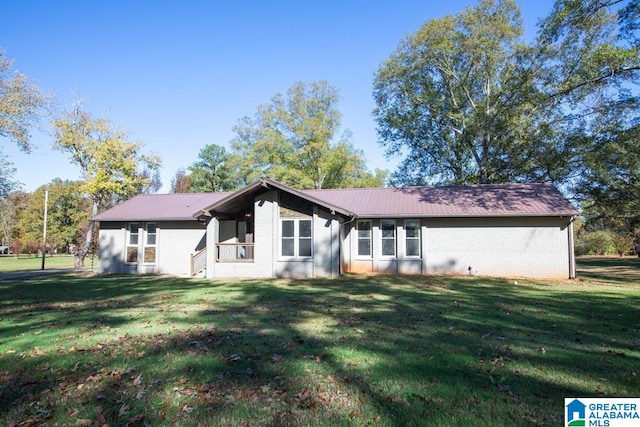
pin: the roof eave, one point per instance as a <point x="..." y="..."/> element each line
<point x="269" y="183"/>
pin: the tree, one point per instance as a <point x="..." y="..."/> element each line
<point x="20" y="104"/>
<point x="7" y="172"/>
<point x="469" y="102"/>
<point x="181" y="182"/>
<point x="598" y="81"/>
<point x="294" y="139"/>
<point x="212" y="171"/>
<point x="113" y="168"/>
<point x="10" y="208"/>
<point x="446" y="96"/>
<point x="68" y="212"/>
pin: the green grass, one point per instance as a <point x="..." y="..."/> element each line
<point x="148" y="350"/>
<point x="11" y="263"/>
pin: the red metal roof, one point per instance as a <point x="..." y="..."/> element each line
<point x="446" y="201"/>
<point x="161" y="207"/>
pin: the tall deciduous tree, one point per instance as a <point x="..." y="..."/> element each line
<point x="68" y="211"/>
<point x="113" y="168"/>
<point x="444" y="96"/>
<point x="596" y="81"/>
<point x="181" y="182"/>
<point x="20" y="103"/>
<point x="468" y="101"/>
<point x="294" y="139"/>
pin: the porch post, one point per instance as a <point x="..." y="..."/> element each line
<point x="212" y="239"/>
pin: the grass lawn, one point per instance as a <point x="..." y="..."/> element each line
<point x="24" y="262"/>
<point x="149" y="350"/>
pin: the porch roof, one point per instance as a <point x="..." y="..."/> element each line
<point x="232" y="202"/>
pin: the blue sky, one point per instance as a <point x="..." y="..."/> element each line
<point x="178" y="75"/>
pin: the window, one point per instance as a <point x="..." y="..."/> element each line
<point x="388" y="230"/>
<point x="151" y="234"/>
<point x="364" y="238"/>
<point x="412" y="237"/>
<point x="296" y="238"/>
<point x="132" y="242"/>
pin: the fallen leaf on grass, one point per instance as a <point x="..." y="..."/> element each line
<point x="353" y="414"/>
<point x="137" y="380"/>
<point x="233" y="358"/>
<point x="123" y="410"/>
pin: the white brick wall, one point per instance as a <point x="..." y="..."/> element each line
<point x="503" y="247"/>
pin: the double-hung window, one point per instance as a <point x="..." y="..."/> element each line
<point x="141" y="237"/>
<point x="364" y="238"/>
<point x="133" y="236"/>
<point x="296" y="238"/>
<point x="151" y="236"/>
<point x="388" y="233"/>
<point x="412" y="237"/>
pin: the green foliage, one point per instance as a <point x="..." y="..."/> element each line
<point x="466" y="100"/>
<point x="213" y="171"/>
<point x="293" y="139"/>
<point x="20" y="104"/>
<point x="598" y="242"/>
<point x="622" y="243"/>
<point x="68" y="210"/>
<point x="7" y="183"/>
<point x="113" y="168"/>
<point x="449" y="97"/>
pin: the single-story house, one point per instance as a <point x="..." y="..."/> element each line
<point x="269" y="229"/>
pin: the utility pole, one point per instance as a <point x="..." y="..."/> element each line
<point x="44" y="228"/>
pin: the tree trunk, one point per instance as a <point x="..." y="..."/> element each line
<point x="83" y="250"/>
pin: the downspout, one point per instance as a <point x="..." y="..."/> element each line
<point x="572" y="257"/>
<point x="341" y="243"/>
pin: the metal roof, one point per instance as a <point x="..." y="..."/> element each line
<point x="451" y="201"/>
<point x="508" y="200"/>
<point x="161" y="207"/>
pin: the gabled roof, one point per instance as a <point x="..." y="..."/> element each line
<point x="508" y="200"/>
<point x="230" y="203"/>
<point x="161" y="207"/>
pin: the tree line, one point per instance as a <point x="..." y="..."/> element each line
<point x="465" y="99"/>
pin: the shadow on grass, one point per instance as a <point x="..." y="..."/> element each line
<point x="384" y="350"/>
<point x="609" y="269"/>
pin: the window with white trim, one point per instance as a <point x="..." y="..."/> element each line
<point x="388" y="237"/>
<point x="364" y="238"/>
<point x="133" y="236"/>
<point x="296" y="238"/>
<point x="151" y="236"/>
<point x="412" y="237"/>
